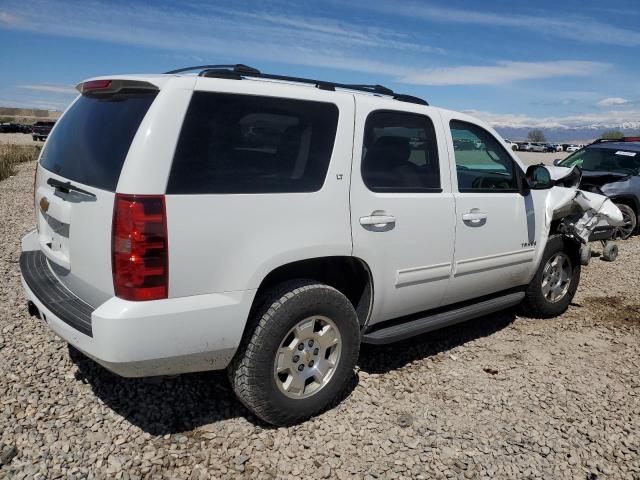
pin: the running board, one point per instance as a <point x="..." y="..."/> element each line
<point x="417" y="326"/>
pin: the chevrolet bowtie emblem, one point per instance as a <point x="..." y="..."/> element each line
<point x="44" y="204"/>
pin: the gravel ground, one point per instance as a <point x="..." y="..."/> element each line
<point x="501" y="397"/>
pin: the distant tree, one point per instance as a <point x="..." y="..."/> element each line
<point x="536" y="135"/>
<point x="613" y="134"/>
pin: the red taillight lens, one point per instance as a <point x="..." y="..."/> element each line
<point x="139" y="247"/>
<point x="93" y="85"/>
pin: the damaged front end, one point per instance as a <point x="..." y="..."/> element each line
<point x="578" y="214"/>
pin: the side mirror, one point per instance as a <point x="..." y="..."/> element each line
<point x="557" y="161"/>
<point x="538" y="177"/>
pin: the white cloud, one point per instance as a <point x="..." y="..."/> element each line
<point x="612" y="101"/>
<point x="572" y="27"/>
<point x="626" y="119"/>
<point x="242" y="35"/>
<point x="8" y="19"/>
<point x="51" y="88"/>
<point x="224" y="33"/>
<point x="503" y="72"/>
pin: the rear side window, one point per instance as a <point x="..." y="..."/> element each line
<point x="233" y="143"/>
<point x="90" y="142"/>
<point x="399" y="153"/>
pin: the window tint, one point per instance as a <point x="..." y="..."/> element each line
<point x="249" y="144"/>
<point x="481" y="162"/>
<point x="400" y="153"/>
<point x="90" y="142"/>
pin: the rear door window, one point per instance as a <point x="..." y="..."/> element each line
<point x="233" y="143"/>
<point x="90" y="142"/>
<point x="400" y="153"/>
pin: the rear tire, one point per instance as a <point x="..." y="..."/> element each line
<point x="555" y="282"/>
<point x="298" y="353"/>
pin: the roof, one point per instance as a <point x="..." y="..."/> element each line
<point x="613" y="145"/>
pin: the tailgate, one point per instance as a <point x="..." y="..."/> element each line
<point x="75" y="183"/>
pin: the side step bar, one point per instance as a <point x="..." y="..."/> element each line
<point x="417" y="326"/>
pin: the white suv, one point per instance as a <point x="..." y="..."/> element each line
<point x="268" y="225"/>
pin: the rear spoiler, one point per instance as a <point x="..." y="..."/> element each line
<point x="106" y="87"/>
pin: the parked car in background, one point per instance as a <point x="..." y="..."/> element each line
<point x="524" y="146"/>
<point x="572" y="148"/>
<point x="11" y="127"/>
<point x="512" y="145"/>
<point x="41" y="130"/>
<point x="538" y="147"/>
<point x="549" y="147"/>
<point x="612" y="167"/>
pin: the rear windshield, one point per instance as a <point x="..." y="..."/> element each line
<point x="91" y="141"/>
<point x="233" y="143"/>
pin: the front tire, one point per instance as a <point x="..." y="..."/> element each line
<point x="555" y="282"/>
<point x="630" y="221"/>
<point x="298" y="353"/>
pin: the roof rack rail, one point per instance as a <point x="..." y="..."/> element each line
<point x="239" y="71"/>
<point x="238" y="67"/>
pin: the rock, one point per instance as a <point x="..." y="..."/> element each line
<point x="7" y="453"/>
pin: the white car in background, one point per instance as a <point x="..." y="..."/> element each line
<point x="573" y="148"/>
<point x="512" y="145"/>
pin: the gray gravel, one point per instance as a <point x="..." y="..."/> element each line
<point x="501" y="397"/>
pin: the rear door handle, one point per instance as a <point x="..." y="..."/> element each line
<point x="376" y="219"/>
<point x="474" y="216"/>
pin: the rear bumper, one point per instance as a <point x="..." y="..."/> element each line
<point x="161" y="337"/>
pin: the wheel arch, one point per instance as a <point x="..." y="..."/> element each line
<point x="349" y="275"/>
<point x="629" y="200"/>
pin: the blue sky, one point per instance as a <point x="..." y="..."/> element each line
<point x="544" y="63"/>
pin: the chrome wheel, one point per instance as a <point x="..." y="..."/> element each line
<point x="556" y="277"/>
<point x="307" y="357"/>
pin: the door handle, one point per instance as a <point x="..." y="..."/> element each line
<point x="376" y="219"/>
<point x="474" y="216"/>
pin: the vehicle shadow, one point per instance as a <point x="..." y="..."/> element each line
<point x="170" y="404"/>
<point x="181" y="403"/>
<point x="384" y="358"/>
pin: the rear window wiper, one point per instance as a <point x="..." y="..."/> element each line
<point x="66" y="187"/>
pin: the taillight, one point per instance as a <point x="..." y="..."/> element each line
<point x="139" y="247"/>
<point x="93" y="85"/>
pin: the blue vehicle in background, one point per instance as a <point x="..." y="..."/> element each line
<point x="612" y="168"/>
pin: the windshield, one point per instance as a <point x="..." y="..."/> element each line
<point x="604" y="159"/>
